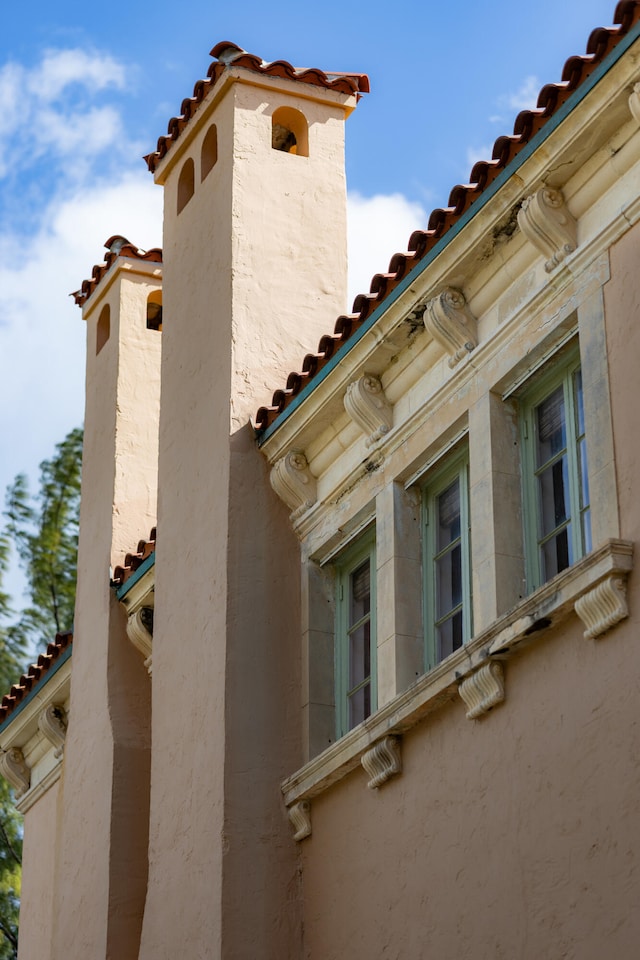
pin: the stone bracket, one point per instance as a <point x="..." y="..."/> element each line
<point x="483" y="690"/>
<point x="14" y="768"/>
<point x="450" y="322"/>
<point x="603" y="607"/>
<point x="368" y="407"/>
<point x="634" y="103"/>
<point x="382" y="761"/>
<point x="293" y="482"/>
<point x="548" y="224"/>
<point x="300" y="817"/>
<point x="140" y="636"/>
<point x="53" y="724"/>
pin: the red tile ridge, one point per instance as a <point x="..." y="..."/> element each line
<point x="528" y="122"/>
<point x="34" y="674"/>
<point x="117" y="246"/>
<point x="133" y="560"/>
<point x="228" y="54"/>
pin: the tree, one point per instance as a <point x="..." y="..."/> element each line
<point x="43" y="530"/>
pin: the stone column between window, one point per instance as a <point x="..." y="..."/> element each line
<point x="495" y="509"/>
<point x="601" y="469"/>
<point x="318" y="658"/>
<point x="400" y="636"/>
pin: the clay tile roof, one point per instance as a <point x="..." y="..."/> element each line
<point x="576" y="70"/>
<point x="117" y="246"/>
<point x="34" y="674"/>
<point x="133" y="560"/>
<point x="227" y="55"/>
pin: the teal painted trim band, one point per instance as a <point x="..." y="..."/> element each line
<point x="38" y="687"/>
<point x="552" y="124"/>
<point x="140" y="572"/>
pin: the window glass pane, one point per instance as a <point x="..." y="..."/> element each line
<point x="359" y="654"/>
<point x="550" y="427"/>
<point x="359" y="706"/>
<point x="448" y="581"/>
<point x="449" y="635"/>
<point x="448" y="516"/>
<point x="584" y="476"/>
<point x="557" y="553"/>
<point x="553" y="487"/>
<point x="586" y="531"/>
<point x="577" y="391"/>
<point x="359" y="592"/>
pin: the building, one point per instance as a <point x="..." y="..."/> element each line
<point x="374" y="692"/>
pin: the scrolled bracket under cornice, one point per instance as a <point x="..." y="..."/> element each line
<point x="368" y="407"/>
<point x="549" y="225"/>
<point x="15" y="769"/>
<point x="450" y="322"/>
<point x="294" y="483"/>
<point x="483" y="690"/>
<point x="603" y="607"/>
<point x="382" y="761"/>
<point x="300" y="817"/>
<point x="53" y="724"/>
<point x="634" y="103"/>
<point x="140" y="635"/>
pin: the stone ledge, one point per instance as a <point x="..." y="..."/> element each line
<point x="524" y="624"/>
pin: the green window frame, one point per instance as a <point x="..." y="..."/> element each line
<point x="356" y="650"/>
<point x="557" y="518"/>
<point x="447" y="560"/>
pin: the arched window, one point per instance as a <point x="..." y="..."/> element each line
<point x="290" y="131"/>
<point x="186" y="184"/>
<point x="104" y="327"/>
<point x="209" y="154"/>
<point x="154" y="310"/>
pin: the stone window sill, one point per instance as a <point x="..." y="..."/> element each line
<point x="594" y="588"/>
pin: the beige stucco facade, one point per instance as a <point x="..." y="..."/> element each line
<point x="214" y="799"/>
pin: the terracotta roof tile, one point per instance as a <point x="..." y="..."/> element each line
<point x="601" y="41"/>
<point x="116" y="247"/>
<point x="227" y="55"/>
<point x="133" y="560"/>
<point x="34" y="674"/>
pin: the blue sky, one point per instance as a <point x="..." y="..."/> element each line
<point x="86" y="89"/>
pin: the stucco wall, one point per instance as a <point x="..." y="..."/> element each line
<point x="513" y="836"/>
<point x="38" y="876"/>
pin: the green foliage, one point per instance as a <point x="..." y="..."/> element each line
<point x="10" y="873"/>
<point x="43" y="529"/>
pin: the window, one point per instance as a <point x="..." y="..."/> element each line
<point x="447" y="594"/>
<point x="290" y="132"/>
<point x="209" y="152"/>
<point x="356" y="636"/>
<point x="556" y="490"/>
<point x="103" y="328"/>
<point x="186" y="184"/>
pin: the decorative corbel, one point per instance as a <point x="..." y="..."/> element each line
<point x="14" y="768"/>
<point x="140" y="632"/>
<point x="300" y="817"/>
<point x="368" y="407"/>
<point x="382" y="761"/>
<point x="293" y="482"/>
<point x="549" y="225"/>
<point x="483" y="690"/>
<point x="603" y="607"/>
<point x="53" y="724"/>
<point x="449" y="321"/>
<point x="634" y="103"/>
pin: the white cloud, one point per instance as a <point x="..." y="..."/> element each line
<point x="36" y="117"/>
<point x="379" y="226"/>
<point x="525" y="97"/>
<point x="61" y="68"/>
